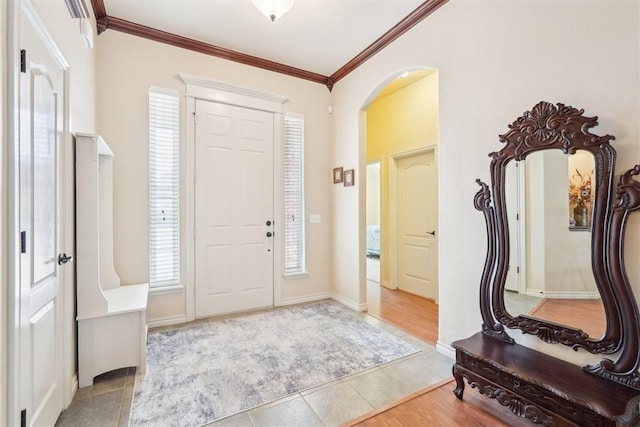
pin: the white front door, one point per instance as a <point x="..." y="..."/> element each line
<point x="40" y="295"/>
<point x="233" y="207"/>
<point x="417" y="210"/>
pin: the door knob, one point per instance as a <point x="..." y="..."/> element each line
<point x="433" y="233"/>
<point x="269" y="234"/>
<point x="268" y="223"/>
<point x="64" y="258"/>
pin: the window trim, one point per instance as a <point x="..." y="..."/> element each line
<point x="174" y="282"/>
<point x="301" y="269"/>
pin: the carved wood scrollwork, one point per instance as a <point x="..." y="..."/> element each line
<point x="625" y="369"/>
<point x="561" y="127"/>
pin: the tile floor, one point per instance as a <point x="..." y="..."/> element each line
<point x="108" y="401"/>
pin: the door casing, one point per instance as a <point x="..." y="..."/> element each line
<point x="212" y="90"/>
<point x="14" y="9"/>
<point x="393" y="210"/>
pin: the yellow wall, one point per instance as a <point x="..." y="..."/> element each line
<point x="403" y="121"/>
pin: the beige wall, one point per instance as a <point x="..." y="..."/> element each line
<point x="127" y="66"/>
<point x="373" y="193"/>
<point x="404" y="121"/>
<point x="495" y="59"/>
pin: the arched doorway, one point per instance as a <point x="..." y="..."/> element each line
<point x="401" y="126"/>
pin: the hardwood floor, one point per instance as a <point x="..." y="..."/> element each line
<point x="439" y="407"/>
<point x="436" y="406"/>
<point x="413" y="314"/>
<point x="586" y="314"/>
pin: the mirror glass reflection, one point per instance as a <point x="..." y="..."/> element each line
<point x="549" y="198"/>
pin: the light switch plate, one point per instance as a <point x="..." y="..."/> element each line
<point x="314" y="219"/>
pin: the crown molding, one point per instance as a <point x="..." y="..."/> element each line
<point x="132" y="28"/>
<point x="104" y="22"/>
<point x="99" y="11"/>
<point x="421" y="12"/>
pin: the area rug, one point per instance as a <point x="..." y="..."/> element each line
<point x="208" y="371"/>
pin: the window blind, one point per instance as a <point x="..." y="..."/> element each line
<point x="294" y="230"/>
<point x="164" y="260"/>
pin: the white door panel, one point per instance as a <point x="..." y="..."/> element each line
<point x="41" y="100"/>
<point x="512" y="200"/>
<point x="234" y="199"/>
<point x="417" y="248"/>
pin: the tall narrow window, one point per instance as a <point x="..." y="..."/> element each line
<point x="294" y="194"/>
<point x="164" y="259"/>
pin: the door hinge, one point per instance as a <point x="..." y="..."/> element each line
<point x="23" y="242"/>
<point x="518" y="269"/>
<point x="23" y="61"/>
<point x="517" y="217"/>
<point x="23" y="418"/>
<point x="194" y="117"/>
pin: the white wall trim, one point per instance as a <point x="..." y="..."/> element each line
<point x="278" y="207"/>
<point x="73" y="387"/>
<point x="166" y="321"/>
<point x="43" y="33"/>
<point x="304" y="299"/>
<point x="564" y="295"/>
<point x="352" y="305"/>
<point x="212" y="90"/>
<point x="446" y="349"/>
<point x="224" y="93"/>
<point x="160" y="290"/>
<point x="10" y="365"/>
<point x="188" y="234"/>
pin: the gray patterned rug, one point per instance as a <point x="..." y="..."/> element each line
<point x="201" y="373"/>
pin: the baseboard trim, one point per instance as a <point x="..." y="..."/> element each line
<point x="301" y="300"/>
<point x="352" y="305"/>
<point x="74" y="388"/>
<point x="388" y="285"/>
<point x="445" y="349"/>
<point x="166" y="321"/>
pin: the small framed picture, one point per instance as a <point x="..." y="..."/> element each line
<point x="337" y="175"/>
<point x="349" y="178"/>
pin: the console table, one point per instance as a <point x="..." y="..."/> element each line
<point x="539" y="387"/>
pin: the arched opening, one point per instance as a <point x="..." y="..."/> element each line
<point x="399" y="141"/>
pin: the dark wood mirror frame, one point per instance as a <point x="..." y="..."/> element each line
<point x="530" y="391"/>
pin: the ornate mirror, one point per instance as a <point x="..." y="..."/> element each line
<point x="548" y="201"/>
<point x="571" y="228"/>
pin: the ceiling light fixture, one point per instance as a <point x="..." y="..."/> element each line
<point x="273" y="9"/>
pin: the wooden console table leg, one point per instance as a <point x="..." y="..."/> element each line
<point x="459" y="381"/>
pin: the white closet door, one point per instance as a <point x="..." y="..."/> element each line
<point x="417" y="196"/>
<point x="41" y="365"/>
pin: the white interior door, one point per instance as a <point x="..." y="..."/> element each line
<point x="417" y="224"/>
<point x="512" y="198"/>
<point x="233" y="207"/>
<point x="41" y="305"/>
